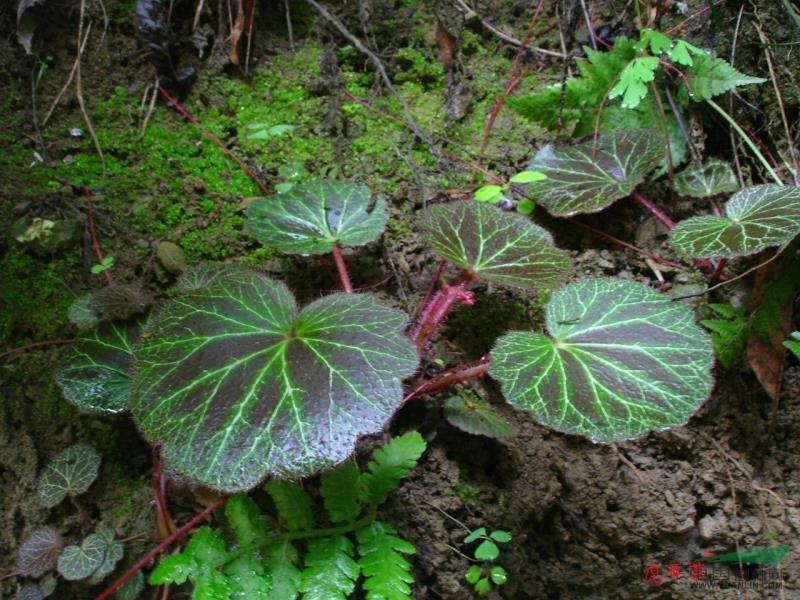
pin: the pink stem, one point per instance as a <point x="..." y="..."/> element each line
<point x="155" y="551"/>
<point x="165" y="524"/>
<point x="457" y="374"/>
<point x="35" y="345"/>
<point x="90" y="221"/>
<point x="437" y="309"/>
<point x="342" y="268"/>
<point x="657" y="213"/>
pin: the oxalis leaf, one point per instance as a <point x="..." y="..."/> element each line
<point x="237" y="383"/>
<point x="755" y="218"/>
<point x="70" y="472"/>
<point x="621" y="359"/>
<point x="495" y="245"/>
<point x="700" y="181"/>
<point x="97" y="371"/>
<point x="589" y="177"/>
<point x="313" y="217"/>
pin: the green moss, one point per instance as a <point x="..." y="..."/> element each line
<point x="468" y="494"/>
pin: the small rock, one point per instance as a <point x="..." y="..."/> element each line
<point x="709" y="527"/>
<point x="171" y="257"/>
<point x="605" y="264"/>
<point x="754" y="523"/>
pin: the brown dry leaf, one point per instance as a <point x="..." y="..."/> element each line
<point x="766" y="357"/>
<point x="445" y="45"/>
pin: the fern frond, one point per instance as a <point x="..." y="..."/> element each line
<point x="280" y="562"/>
<point x="387" y="573"/>
<point x="709" y="77"/>
<point x="330" y="572"/>
<point x="340" y="493"/>
<point x="292" y="503"/>
<point x="388" y="466"/>
<point x="245" y="519"/>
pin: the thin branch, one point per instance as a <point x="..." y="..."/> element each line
<point x="34" y="345"/>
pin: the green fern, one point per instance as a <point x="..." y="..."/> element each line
<point x="709" y="77"/>
<point x="330" y="572"/>
<point x="388" y="466"/>
<point x="729" y="333"/>
<point x="281" y="560"/>
<point x="292" y="503"/>
<point x="340" y="494"/>
<point x="386" y="572"/>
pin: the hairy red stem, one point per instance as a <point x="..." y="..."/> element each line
<point x="459" y="373"/>
<point x="35" y="345"/>
<point x="177" y="106"/>
<point x="165" y="524"/>
<point x="437" y="309"/>
<point x="437" y="272"/>
<point x="155" y="551"/>
<point x="658" y="214"/>
<point x="90" y="222"/>
<point x="342" y="268"/>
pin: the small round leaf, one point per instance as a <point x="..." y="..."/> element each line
<point x="495" y="245"/>
<point x="700" y="181"/>
<point x="38" y="553"/>
<point x="30" y="591"/>
<point x="473" y="574"/>
<point x="71" y="472"/>
<point x="313" y="217"/>
<point x="488" y="193"/>
<point x="501" y="536"/>
<point x="621" y="359"/>
<point x="498" y="575"/>
<point x="483" y="586"/>
<point x="487" y="550"/>
<point x="80" y="561"/>
<point x="528" y="177"/>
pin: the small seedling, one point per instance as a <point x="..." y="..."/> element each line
<point x="260" y="132"/>
<point x="107" y="263"/>
<point x="499" y="193"/>
<point x="482" y="576"/>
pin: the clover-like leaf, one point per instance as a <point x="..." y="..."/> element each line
<point x="70" y="472"/>
<point x="97" y="371"/>
<point x="495" y="245"/>
<point x="471" y="414"/>
<point x="621" y="359"/>
<point x="81" y="561"/>
<point x="38" y="553"/>
<point x="313" y="217"/>
<point x="588" y="177"/>
<point x="700" y="181"/>
<point x="755" y="218"/>
<point x="237" y="383"/>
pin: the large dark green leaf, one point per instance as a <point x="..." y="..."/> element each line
<point x="495" y="245"/>
<point x="588" y="177"/>
<point x="97" y="371"/>
<point x="755" y="218"/>
<point x="237" y="383"/>
<point x="712" y="177"/>
<point x="620" y="360"/>
<point x="314" y="217"/>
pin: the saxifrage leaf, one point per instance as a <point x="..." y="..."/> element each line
<point x="755" y="218"/>
<point x="700" y="181"/>
<point x="313" y="217"/>
<point x="70" y="472"/>
<point x="97" y="372"/>
<point x="237" y="383"/>
<point x="38" y="553"/>
<point x="330" y="572"/>
<point x="80" y="561"/>
<point x="471" y="414"/>
<point x="113" y="554"/>
<point x="390" y="463"/>
<point x="495" y="245"/>
<point x="620" y="360"/>
<point x="588" y="177"/>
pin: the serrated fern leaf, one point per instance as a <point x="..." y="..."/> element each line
<point x="709" y="77"/>
<point x="340" y="493"/>
<point x="292" y="503"/>
<point x="633" y="80"/>
<point x="386" y="572"/>
<point x="388" y="466"/>
<point x="330" y="572"/>
<point x="248" y="579"/>
<point x="280" y="562"/>
<point x="245" y="519"/>
<point x="728" y="334"/>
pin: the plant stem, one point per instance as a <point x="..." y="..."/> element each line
<point x="658" y="214"/>
<point x="165" y="524"/>
<point x="90" y="222"/>
<point x="35" y="345"/>
<point x="457" y="374"/>
<point x="155" y="551"/>
<point x="342" y="268"/>
<point x="437" y="309"/>
<point x="746" y="139"/>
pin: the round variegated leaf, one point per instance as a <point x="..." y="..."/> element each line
<point x="700" y="181"/>
<point x="80" y="561"/>
<point x="755" y="218"/>
<point x="590" y="176"/>
<point x="495" y="245"/>
<point x="113" y="554"/>
<point x="236" y="383"/>
<point x="97" y="370"/>
<point x="38" y="553"/>
<point x="206" y="273"/>
<point x="621" y="359"/>
<point x="70" y="472"/>
<point x="471" y="414"/>
<point x="314" y="217"/>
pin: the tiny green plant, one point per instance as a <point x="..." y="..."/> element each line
<point x="498" y="193"/>
<point x="108" y="262"/>
<point x="486" y="575"/>
<point x="293" y="553"/>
